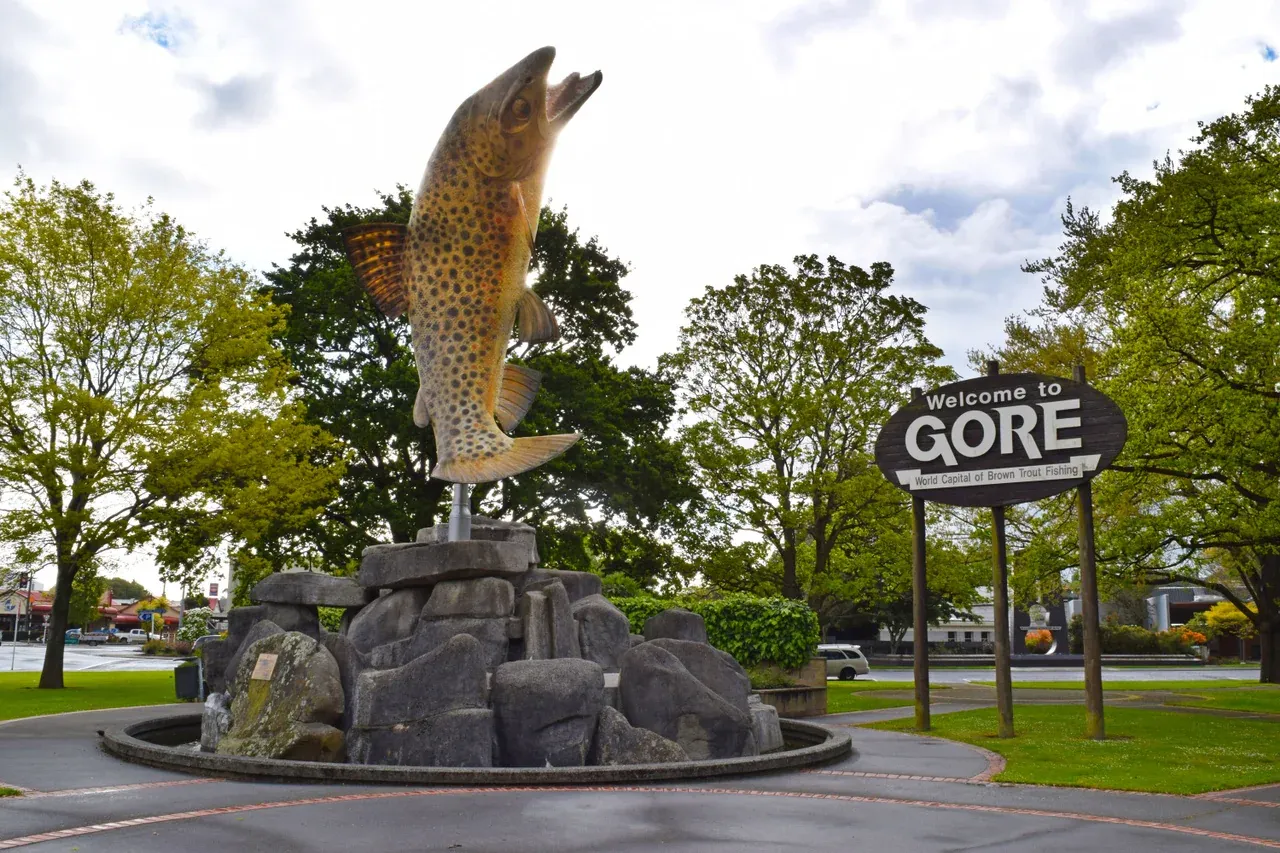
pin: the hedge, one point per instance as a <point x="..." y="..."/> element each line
<point x="753" y="630"/>
<point x="1133" y="640"/>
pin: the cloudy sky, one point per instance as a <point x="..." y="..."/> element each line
<point x="942" y="136"/>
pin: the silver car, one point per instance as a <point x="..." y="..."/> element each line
<point x="844" y="661"/>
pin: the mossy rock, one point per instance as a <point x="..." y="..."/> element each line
<point x="294" y="713"/>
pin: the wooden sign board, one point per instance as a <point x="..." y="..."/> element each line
<point x="1001" y="440"/>
<point x="264" y="667"/>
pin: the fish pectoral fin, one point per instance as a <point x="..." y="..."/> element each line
<point x="519" y="386"/>
<point x="376" y="253"/>
<point x="524" y="454"/>
<point x="421" y="418"/>
<point x="537" y="325"/>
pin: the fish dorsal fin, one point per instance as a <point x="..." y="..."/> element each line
<point x="376" y="253"/>
<point x="534" y="318"/>
<point x="421" y="417"/>
<point x="519" y="386"/>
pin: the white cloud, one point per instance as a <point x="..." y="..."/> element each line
<point x="940" y="136"/>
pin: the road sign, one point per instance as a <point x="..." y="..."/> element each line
<point x="1000" y="440"/>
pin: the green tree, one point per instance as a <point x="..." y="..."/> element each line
<point x="86" y="597"/>
<point x="621" y="483"/>
<point x="137" y="374"/>
<point x="1176" y="302"/>
<point x="786" y="378"/>
<point x="158" y="605"/>
<point x="125" y="588"/>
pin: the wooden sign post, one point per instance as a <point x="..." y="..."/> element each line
<point x="919" y="607"/>
<point x="991" y="442"/>
<point x="1095" y="728"/>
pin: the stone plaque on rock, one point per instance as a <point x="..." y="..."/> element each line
<point x="265" y="666"/>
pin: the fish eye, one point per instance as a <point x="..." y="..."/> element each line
<point x="521" y="109"/>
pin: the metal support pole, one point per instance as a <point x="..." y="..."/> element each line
<point x="460" y="515"/>
<point x="1000" y="602"/>
<point x="1094" y="725"/>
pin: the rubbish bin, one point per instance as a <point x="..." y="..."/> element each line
<point x="186" y="679"/>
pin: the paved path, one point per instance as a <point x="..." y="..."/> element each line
<point x="900" y="793"/>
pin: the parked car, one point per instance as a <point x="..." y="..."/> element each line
<point x="844" y="661"/>
<point x="137" y="635"/>
<point x="84" y="638"/>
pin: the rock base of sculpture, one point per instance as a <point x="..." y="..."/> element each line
<point x="467" y="655"/>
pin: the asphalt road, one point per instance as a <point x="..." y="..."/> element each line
<point x="21" y="657"/>
<point x="900" y="794"/>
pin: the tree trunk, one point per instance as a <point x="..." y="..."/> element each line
<point x="1269" y="639"/>
<point x="51" y="673"/>
<point x="790" y="585"/>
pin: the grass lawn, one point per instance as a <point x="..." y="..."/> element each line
<point x="845" y="696"/>
<point x="1132" y="686"/>
<point x="84" y="691"/>
<point x="1156" y="751"/>
<point x="1265" y="699"/>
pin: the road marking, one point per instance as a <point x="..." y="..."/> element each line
<point x="26" y="840"/>
<point x="112" y="789"/>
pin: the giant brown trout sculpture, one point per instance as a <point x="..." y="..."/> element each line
<point x="458" y="270"/>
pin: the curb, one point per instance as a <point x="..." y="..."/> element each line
<point x="820" y="745"/>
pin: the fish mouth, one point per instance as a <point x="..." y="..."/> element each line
<point x="567" y="97"/>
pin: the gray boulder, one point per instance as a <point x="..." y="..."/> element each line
<point x="302" y="618"/>
<point x="579" y="585"/>
<point x="351" y="663"/>
<point x="658" y="693"/>
<point x="429" y="712"/>
<point x="291" y="712"/>
<point x="714" y="668"/>
<point x="216" y="656"/>
<point x="258" y="631"/>
<point x="564" y="628"/>
<point x="764" y="720"/>
<point x="450" y="678"/>
<point x="313" y="588"/>
<point x="241" y="619"/>
<point x="535" y="626"/>
<point x="491" y="529"/>
<point x="604" y="634"/>
<point x="389" y="618"/>
<point x="482" y="598"/>
<point x="636" y="639"/>
<point x="618" y="742"/>
<point x="431" y="634"/>
<point x="215" y="721"/>
<point x="407" y="564"/>
<point x="452" y="739"/>
<point x="545" y="711"/>
<point x="676" y="623"/>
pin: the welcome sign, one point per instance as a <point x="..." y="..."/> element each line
<point x="1001" y="440"/>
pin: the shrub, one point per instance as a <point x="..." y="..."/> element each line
<point x="753" y="630"/>
<point x="331" y="618"/>
<point x="195" y="624"/>
<point x="154" y="647"/>
<point x="1039" y="642"/>
<point x="769" y="677"/>
<point x="1133" y="640"/>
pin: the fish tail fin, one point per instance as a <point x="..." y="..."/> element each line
<point x="524" y="454"/>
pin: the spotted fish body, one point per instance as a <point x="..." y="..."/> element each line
<point x="458" y="270"/>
